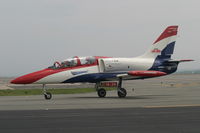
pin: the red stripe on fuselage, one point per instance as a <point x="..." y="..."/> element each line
<point x="35" y="76"/>
<point x="146" y="73"/>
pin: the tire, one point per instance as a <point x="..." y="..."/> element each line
<point x="101" y="92"/>
<point x="47" y="95"/>
<point x="122" y="93"/>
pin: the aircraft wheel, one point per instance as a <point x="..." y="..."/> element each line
<point x="121" y="93"/>
<point x="47" y="95"/>
<point x="101" y="92"/>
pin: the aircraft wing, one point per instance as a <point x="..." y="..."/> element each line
<point x="143" y="74"/>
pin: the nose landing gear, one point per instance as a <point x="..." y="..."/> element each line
<point x="47" y="95"/>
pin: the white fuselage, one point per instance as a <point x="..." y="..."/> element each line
<point x="106" y="65"/>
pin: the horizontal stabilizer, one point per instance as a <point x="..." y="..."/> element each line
<point x="178" y="61"/>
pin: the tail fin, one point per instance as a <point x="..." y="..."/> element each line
<point x="164" y="45"/>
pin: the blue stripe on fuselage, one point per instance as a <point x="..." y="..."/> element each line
<point x="93" y="78"/>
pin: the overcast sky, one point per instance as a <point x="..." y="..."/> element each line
<point x="35" y="33"/>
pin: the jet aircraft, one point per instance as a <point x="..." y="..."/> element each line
<point x="155" y="62"/>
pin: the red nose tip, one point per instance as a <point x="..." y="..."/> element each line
<point x="32" y="77"/>
<point x="26" y="79"/>
<point x="14" y="81"/>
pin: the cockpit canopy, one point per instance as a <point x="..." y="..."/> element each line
<point x="74" y="62"/>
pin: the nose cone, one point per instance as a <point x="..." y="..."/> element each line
<point x="32" y="77"/>
<point x="26" y="79"/>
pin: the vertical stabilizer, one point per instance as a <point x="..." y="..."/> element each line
<point x="164" y="45"/>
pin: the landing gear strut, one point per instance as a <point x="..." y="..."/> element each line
<point x="121" y="91"/>
<point x="47" y="95"/>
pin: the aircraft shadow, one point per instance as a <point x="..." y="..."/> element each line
<point x="128" y="97"/>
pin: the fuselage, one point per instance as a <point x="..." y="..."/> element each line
<point x="89" y="69"/>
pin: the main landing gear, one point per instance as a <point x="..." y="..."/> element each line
<point x="100" y="91"/>
<point x="47" y="95"/>
<point x="120" y="91"/>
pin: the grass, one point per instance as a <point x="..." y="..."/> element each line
<point x="25" y="92"/>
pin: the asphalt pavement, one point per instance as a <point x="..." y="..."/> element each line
<point x="124" y="120"/>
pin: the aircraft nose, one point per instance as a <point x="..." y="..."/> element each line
<point x="26" y="79"/>
<point x="31" y="78"/>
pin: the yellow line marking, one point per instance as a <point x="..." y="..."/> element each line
<point x="173" y="106"/>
